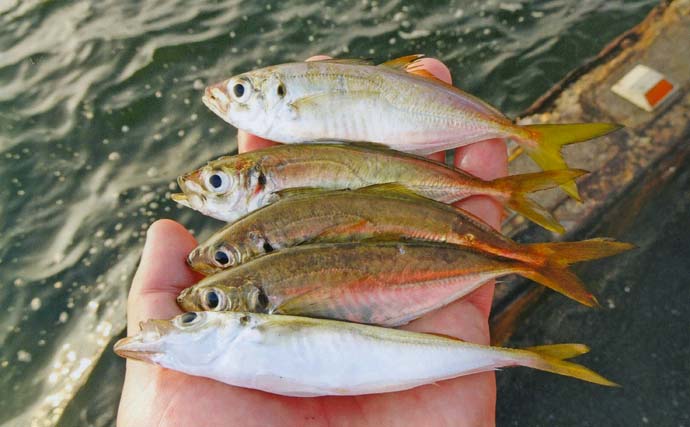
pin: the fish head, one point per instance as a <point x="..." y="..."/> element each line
<point x="217" y="293"/>
<point x="211" y="294"/>
<point x="252" y="101"/>
<point x="192" y="339"/>
<point x="216" y="190"/>
<point x="212" y="257"/>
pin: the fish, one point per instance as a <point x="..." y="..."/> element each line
<point x="232" y="186"/>
<point x="304" y="357"/>
<point x="386" y="283"/>
<point x="396" y="103"/>
<point x="384" y="211"/>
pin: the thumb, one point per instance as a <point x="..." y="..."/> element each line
<point x="162" y="274"/>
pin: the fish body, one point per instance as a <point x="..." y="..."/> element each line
<point x="297" y="356"/>
<point x="395" y="103"/>
<point x="389" y="212"/>
<point x="230" y="187"/>
<point x="386" y="211"/>
<point x="382" y="283"/>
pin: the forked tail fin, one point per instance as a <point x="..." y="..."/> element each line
<point x="551" y="260"/>
<point x="545" y="142"/>
<point x="551" y="358"/>
<point x="515" y="189"/>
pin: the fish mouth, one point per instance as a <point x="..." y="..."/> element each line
<point x="181" y="198"/>
<point x="215" y="100"/>
<point x="147" y="344"/>
<point x="134" y="348"/>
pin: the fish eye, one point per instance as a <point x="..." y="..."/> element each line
<point x="188" y="319"/>
<point x="213" y="299"/>
<point x="281" y="90"/>
<point x="223" y="257"/>
<point x="240" y="90"/>
<point x="218" y="182"/>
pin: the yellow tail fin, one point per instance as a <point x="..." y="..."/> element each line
<point x="550" y="358"/>
<point x="545" y="142"/>
<point x="516" y="187"/>
<point x="566" y="253"/>
<point x="561" y="280"/>
<point x="548" y="264"/>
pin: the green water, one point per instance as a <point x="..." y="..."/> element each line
<point x="100" y="111"/>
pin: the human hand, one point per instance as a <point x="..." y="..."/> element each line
<point x="161" y="397"/>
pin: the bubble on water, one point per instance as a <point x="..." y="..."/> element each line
<point x="152" y="171"/>
<point x="186" y="101"/>
<point x="59" y="202"/>
<point x="57" y="285"/>
<point x="398" y="16"/>
<point x="21" y="192"/>
<point x="193" y="117"/>
<point x="510" y="7"/>
<point x="92" y="306"/>
<point x="93" y="251"/>
<point x="35" y="304"/>
<point x="212" y="130"/>
<point x="537" y="14"/>
<point x="310" y="38"/>
<point x="125" y="128"/>
<point x="272" y="48"/>
<point x="234" y="50"/>
<point x="392" y="40"/>
<point x="198" y="84"/>
<point x="105" y="141"/>
<point x="63" y="317"/>
<point x="24" y="356"/>
<point x="232" y="34"/>
<point x="458" y="13"/>
<point x="165" y="120"/>
<point x="269" y="7"/>
<point x="114" y="156"/>
<point x="41" y="342"/>
<point x="100" y="232"/>
<point x="19" y="282"/>
<point x="158" y="94"/>
<point x="372" y="51"/>
<point x="521" y="19"/>
<point x="413" y="34"/>
<point x="180" y="133"/>
<point x="118" y="226"/>
<point x="487" y="31"/>
<point x="4" y="363"/>
<point x="157" y="137"/>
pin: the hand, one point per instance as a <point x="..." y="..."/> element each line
<point x="154" y="396"/>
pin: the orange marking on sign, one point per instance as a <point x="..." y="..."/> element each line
<point x="658" y="92"/>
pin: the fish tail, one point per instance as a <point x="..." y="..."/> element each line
<point x="566" y="253"/>
<point x="552" y="358"/>
<point x="516" y="187"/>
<point x="560" y="279"/>
<point x="550" y="261"/>
<point x="543" y="144"/>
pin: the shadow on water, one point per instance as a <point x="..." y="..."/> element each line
<point x="640" y="336"/>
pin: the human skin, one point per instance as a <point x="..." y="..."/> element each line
<point x="153" y="396"/>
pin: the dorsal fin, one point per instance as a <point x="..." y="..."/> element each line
<point x="401" y="63"/>
<point x="411" y="64"/>
<point x="351" y="61"/>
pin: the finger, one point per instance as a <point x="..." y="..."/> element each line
<point x="486" y="160"/>
<point x="162" y="273"/>
<point x="248" y="142"/>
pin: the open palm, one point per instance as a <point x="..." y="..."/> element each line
<point x="153" y="396"/>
